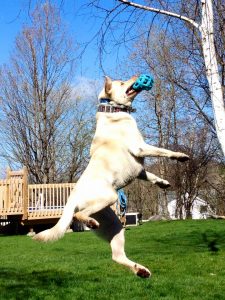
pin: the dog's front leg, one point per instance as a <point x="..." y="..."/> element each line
<point x="144" y="175"/>
<point x="147" y="150"/>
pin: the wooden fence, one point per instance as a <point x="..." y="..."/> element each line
<point x="31" y="201"/>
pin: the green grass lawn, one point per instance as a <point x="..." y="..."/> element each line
<point x="187" y="260"/>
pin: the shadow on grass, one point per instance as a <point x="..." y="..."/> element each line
<point x="197" y="241"/>
<point x="19" y="284"/>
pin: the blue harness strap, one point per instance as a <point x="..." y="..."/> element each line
<point x="122" y="201"/>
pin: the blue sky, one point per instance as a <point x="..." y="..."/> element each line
<point x="15" y="13"/>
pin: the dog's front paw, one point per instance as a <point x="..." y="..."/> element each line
<point x="180" y="157"/>
<point x="183" y="158"/>
<point x="163" y="184"/>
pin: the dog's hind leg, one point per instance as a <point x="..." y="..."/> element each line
<point x="112" y="230"/>
<point x="88" y="221"/>
<point x="144" y="175"/>
<point x="119" y="256"/>
<point x="93" y="205"/>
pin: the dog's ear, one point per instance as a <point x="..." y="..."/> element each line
<point x="108" y="85"/>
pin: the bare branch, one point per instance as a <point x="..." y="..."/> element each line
<point x="161" y="11"/>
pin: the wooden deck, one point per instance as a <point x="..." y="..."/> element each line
<point x="31" y="201"/>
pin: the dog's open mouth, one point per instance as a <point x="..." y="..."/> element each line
<point x="130" y="92"/>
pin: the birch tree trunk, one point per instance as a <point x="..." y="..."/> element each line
<point x="209" y="53"/>
<point x="212" y="72"/>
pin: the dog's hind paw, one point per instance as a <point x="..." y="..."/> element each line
<point x="92" y="223"/>
<point x="142" y="271"/>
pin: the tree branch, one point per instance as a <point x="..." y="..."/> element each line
<point x="161" y="11"/>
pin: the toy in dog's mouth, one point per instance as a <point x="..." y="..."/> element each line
<point x="143" y="82"/>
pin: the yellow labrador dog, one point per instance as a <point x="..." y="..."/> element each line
<point x="117" y="157"/>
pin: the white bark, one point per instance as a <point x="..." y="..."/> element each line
<point x="160" y="11"/>
<point x="209" y="53"/>
<point x="212" y="72"/>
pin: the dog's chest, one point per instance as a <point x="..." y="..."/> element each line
<point x="120" y="127"/>
<point x="127" y="170"/>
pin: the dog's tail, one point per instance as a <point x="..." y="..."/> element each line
<point x="58" y="231"/>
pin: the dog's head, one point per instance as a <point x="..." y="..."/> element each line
<point x="119" y="92"/>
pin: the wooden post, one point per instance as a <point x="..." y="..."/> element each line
<point x="7" y="205"/>
<point x="25" y="193"/>
<point x="8" y="170"/>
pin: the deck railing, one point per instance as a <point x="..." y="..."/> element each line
<point x="33" y="201"/>
<point x="47" y="200"/>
